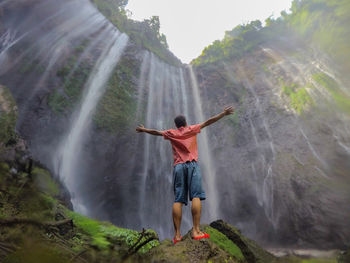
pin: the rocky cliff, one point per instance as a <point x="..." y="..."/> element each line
<point x="278" y="169"/>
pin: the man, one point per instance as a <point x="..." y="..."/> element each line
<point x="186" y="175"/>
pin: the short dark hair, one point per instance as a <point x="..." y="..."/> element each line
<point x="180" y="121"/>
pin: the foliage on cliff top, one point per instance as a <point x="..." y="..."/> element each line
<point x="145" y="33"/>
<point x="324" y="23"/>
<point x="320" y="22"/>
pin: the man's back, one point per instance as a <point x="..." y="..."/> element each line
<point x="184" y="143"/>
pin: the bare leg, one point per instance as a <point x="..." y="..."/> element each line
<point x="177" y="214"/>
<point x="196" y="216"/>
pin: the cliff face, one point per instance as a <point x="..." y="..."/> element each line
<point x="36" y="226"/>
<point x="288" y="160"/>
<point x="278" y="168"/>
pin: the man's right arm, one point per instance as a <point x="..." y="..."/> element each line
<point x="141" y="128"/>
<point x="227" y="111"/>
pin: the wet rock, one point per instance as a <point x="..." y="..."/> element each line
<point x="252" y="251"/>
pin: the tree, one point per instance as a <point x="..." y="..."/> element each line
<point x="154" y="24"/>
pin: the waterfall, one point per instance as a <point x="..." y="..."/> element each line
<point x="205" y="153"/>
<point x="169" y="94"/>
<point x="73" y="143"/>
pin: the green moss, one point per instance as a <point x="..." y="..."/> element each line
<point x="224" y="243"/>
<point x="58" y="102"/>
<point x="117" y="108"/>
<point x="101" y="231"/>
<point x="341" y="99"/>
<point x="45" y="182"/>
<point x="299" y="97"/>
<point x="36" y="253"/>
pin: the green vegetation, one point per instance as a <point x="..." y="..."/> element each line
<point x="236" y="43"/>
<point x="224" y="243"/>
<point x="44" y="181"/>
<point x="33" y="197"/>
<point x="73" y="81"/>
<point x="341" y="99"/>
<point x="8" y="116"/>
<point x="322" y="23"/>
<point x="36" y="253"/>
<point x="145" y="33"/>
<point x="299" y="97"/>
<point x="103" y="232"/>
<point x="29" y="65"/>
<point x="116" y="110"/>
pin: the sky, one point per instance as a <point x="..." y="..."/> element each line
<point x="191" y="25"/>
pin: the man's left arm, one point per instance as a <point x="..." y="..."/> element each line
<point x="227" y="111"/>
<point x="141" y="128"/>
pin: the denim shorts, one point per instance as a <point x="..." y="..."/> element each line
<point x="187" y="182"/>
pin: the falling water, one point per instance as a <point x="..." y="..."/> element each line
<point x="168" y="94"/>
<point x="204" y="153"/>
<point x="95" y="87"/>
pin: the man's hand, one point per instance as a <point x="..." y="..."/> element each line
<point x="140" y="128"/>
<point x="229" y="110"/>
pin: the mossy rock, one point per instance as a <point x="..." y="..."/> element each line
<point x="217" y="248"/>
<point x="224" y="243"/>
<point x="251" y="250"/>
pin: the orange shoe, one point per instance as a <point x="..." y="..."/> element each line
<point x="205" y="235"/>
<point x="176" y="241"/>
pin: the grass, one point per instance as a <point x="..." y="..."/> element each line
<point x="224" y="243"/>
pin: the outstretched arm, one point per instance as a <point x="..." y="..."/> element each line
<point x="227" y="111"/>
<point x="141" y="128"/>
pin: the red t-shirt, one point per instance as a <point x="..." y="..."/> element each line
<point x="184" y="143"/>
